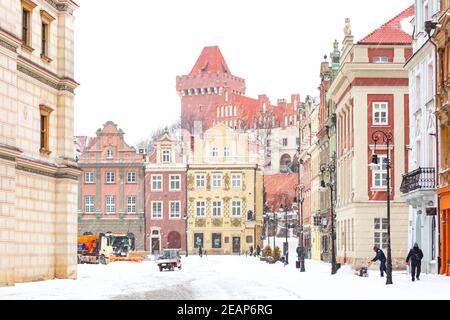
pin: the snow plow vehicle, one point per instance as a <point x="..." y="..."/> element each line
<point x="170" y="259"/>
<point x="106" y="247"/>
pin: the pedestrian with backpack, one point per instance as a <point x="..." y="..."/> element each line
<point x="415" y="255"/>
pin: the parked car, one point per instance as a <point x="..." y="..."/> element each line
<point x="170" y="259"/>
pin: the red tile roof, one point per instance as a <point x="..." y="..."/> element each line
<point x="210" y="61"/>
<point x="392" y="32"/>
<point x="277" y="186"/>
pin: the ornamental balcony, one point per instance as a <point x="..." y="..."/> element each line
<point x="419" y="186"/>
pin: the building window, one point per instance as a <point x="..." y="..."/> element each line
<point x="217" y="181"/>
<point x="380" y="113"/>
<point x="236" y="208"/>
<point x="45" y="129"/>
<point x="285" y="142"/>
<point x="166" y="156"/>
<point x="226" y="152"/>
<point x="89" y="177"/>
<point x="379" y="174"/>
<point x="157" y="209"/>
<point x="268" y="143"/>
<point x="45" y="34"/>
<point x="110" y="177"/>
<point x="217" y="208"/>
<point x="200" y="208"/>
<point x="109" y="154"/>
<point x="157" y="183"/>
<point x="89" y="204"/>
<point x="380" y="232"/>
<point x="236" y="180"/>
<point x="198" y="237"/>
<point x="380" y="59"/>
<point x="297" y="141"/>
<point x="175" y="209"/>
<point x="175" y="183"/>
<point x="216" y="240"/>
<point x="200" y="181"/>
<point x="131" y="177"/>
<point x="215" y="152"/>
<point x="249" y="239"/>
<point x="27" y="9"/>
<point x="131" y="204"/>
<point x="110" y="204"/>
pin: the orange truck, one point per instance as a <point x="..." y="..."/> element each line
<point x="106" y="247"/>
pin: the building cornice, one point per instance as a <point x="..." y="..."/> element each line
<point x="45" y="76"/>
<point x="68" y="6"/>
<point x="47" y="169"/>
<point x="9" y="153"/>
<point x="9" y="41"/>
<point x="111" y="165"/>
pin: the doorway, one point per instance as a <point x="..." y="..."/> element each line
<point x="236" y="244"/>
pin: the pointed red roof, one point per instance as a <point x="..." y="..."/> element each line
<point x="210" y="61"/>
<point x="393" y="31"/>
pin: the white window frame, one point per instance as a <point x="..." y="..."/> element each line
<point x="217" y="177"/>
<point x="379" y="173"/>
<point x="226" y="152"/>
<point x="200" y="210"/>
<point x="154" y="180"/>
<point x="110" y="177"/>
<point x="132" y="175"/>
<point x="215" y="152"/>
<point x="233" y="180"/>
<point x="217" y="208"/>
<point x="376" y="110"/>
<point x="165" y="156"/>
<point x="176" y="179"/>
<point x="89" y="174"/>
<point x="380" y="232"/>
<point x="157" y="214"/>
<point x="174" y="214"/>
<point x="200" y="178"/>
<point x="110" y="204"/>
<point x="131" y="204"/>
<point x="380" y="59"/>
<point x="89" y="204"/>
<point x="109" y="154"/>
<point x="283" y="142"/>
<point x="236" y="205"/>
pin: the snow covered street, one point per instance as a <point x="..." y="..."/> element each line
<point x="228" y="277"/>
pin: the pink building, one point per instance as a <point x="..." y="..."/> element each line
<point x="165" y="197"/>
<point x="111" y="188"/>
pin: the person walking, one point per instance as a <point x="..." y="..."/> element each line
<point x="200" y="251"/>
<point x="380" y="256"/>
<point x="415" y="255"/>
<point x="258" y="250"/>
<point x="251" y="251"/>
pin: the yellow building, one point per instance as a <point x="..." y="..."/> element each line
<point x="224" y="192"/>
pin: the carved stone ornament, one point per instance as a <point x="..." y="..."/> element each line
<point x="200" y="223"/>
<point x="348" y="28"/>
<point x="226" y="179"/>
<point x="191" y="181"/>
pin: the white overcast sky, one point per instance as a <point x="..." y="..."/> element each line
<point x="128" y="53"/>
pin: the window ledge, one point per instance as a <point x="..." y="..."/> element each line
<point x="27" y="48"/>
<point x="380" y="189"/>
<point x="46" y="58"/>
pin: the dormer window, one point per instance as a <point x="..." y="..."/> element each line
<point x="109" y="154"/>
<point x="166" y="156"/>
<point x="380" y="59"/>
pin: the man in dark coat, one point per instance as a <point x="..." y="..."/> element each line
<point x="415" y="255"/>
<point x="258" y="250"/>
<point x="380" y="256"/>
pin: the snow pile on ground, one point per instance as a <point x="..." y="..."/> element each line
<point x="229" y="277"/>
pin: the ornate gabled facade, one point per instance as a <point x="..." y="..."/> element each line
<point x="38" y="173"/>
<point x="443" y="115"/>
<point x="224" y="198"/>
<point x="165" y="197"/>
<point x="419" y="184"/>
<point x="111" y="189"/>
<point x="369" y="91"/>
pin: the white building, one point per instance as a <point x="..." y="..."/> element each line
<point x="419" y="185"/>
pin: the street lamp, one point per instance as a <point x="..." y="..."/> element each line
<point x="331" y="169"/>
<point x="301" y="253"/>
<point x="185" y="218"/>
<point x="387" y="138"/>
<point x="286" y="244"/>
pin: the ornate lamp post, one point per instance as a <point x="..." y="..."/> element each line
<point x="331" y="169"/>
<point x="301" y="253"/>
<point x="387" y="138"/>
<point x="185" y="218"/>
<point x="286" y="244"/>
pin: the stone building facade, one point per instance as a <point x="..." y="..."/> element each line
<point x="370" y="91"/>
<point x="111" y="189"/>
<point x="38" y="176"/>
<point x="224" y="198"/>
<point x="165" y="196"/>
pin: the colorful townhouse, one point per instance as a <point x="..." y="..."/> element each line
<point x="224" y="192"/>
<point x="369" y="94"/>
<point x="165" y="196"/>
<point x="111" y="189"/>
<point x="38" y="173"/>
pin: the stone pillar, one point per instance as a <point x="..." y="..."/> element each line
<point x="66" y="229"/>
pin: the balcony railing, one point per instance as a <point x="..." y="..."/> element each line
<point x="422" y="178"/>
